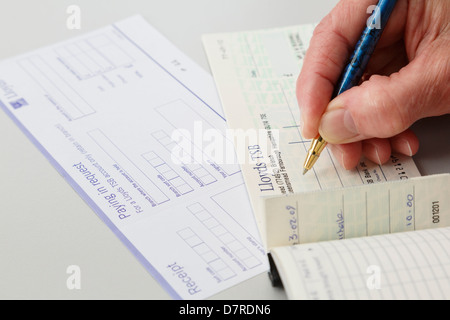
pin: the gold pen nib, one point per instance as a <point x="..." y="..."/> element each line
<point x="317" y="146"/>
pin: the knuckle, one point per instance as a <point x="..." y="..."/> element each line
<point x="384" y="115"/>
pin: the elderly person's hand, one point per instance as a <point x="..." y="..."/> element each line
<point x="408" y="78"/>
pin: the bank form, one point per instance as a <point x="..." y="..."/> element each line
<point x="120" y="113"/>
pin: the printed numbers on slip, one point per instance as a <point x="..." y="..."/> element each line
<point x="435" y="211"/>
<point x="399" y="168"/>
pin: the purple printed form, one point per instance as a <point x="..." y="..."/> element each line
<point x="127" y="119"/>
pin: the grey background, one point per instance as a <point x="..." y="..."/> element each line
<point x="45" y="226"/>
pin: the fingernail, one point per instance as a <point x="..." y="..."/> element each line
<point x="371" y="150"/>
<point x="408" y="146"/>
<point x="337" y="126"/>
<point x="303" y="130"/>
<point x="339" y="155"/>
<point x="301" y="123"/>
<point x="377" y="157"/>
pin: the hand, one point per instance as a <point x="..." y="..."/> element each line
<point x="408" y="78"/>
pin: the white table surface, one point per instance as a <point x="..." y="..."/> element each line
<point x="45" y="226"/>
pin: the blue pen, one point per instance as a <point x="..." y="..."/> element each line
<point x="354" y="71"/>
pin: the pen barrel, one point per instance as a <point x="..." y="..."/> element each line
<point x="352" y="74"/>
<point x="366" y="45"/>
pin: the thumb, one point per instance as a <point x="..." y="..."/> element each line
<point x="383" y="106"/>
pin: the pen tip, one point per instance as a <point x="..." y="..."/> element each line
<point x="305" y="171"/>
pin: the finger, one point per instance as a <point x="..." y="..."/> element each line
<point x="405" y="143"/>
<point x="388" y="60"/>
<point x="377" y="150"/>
<point x="395" y="28"/>
<point x="383" y="106"/>
<point x="329" y="50"/>
<point x="348" y="155"/>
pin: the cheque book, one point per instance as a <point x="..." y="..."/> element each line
<point x="385" y="241"/>
<point x="255" y="73"/>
